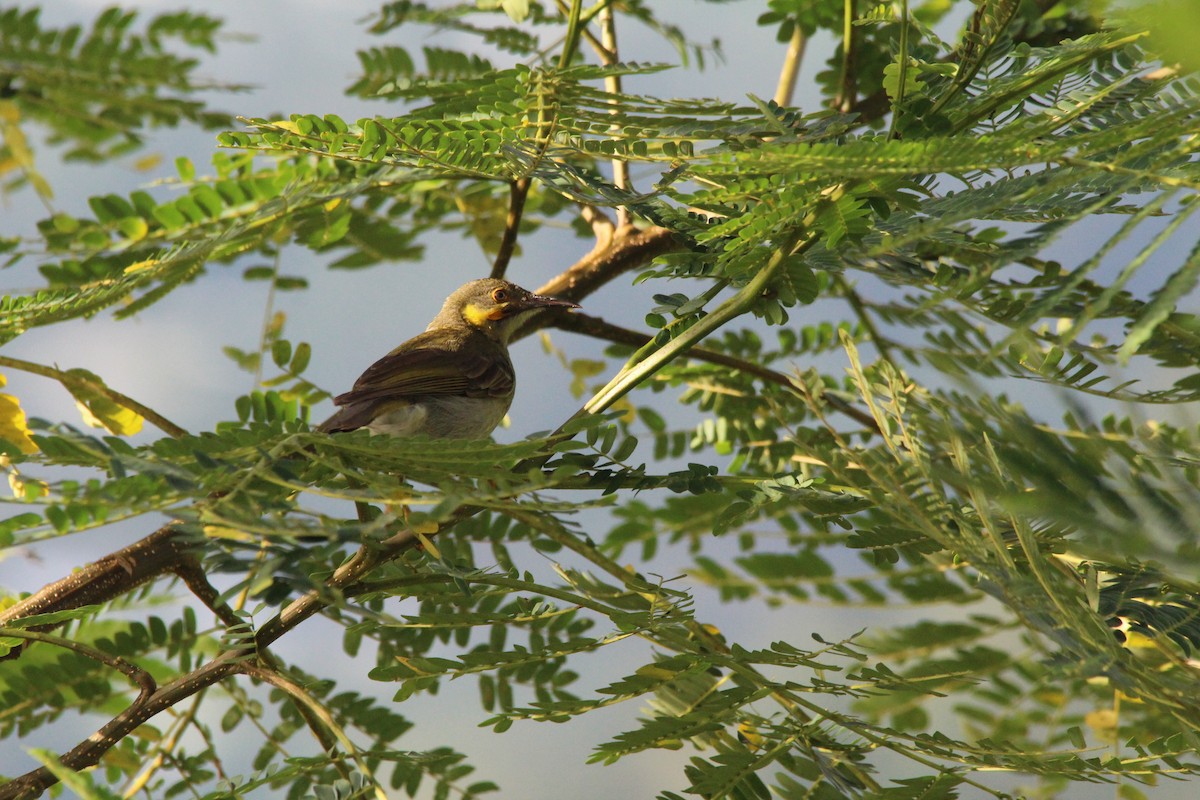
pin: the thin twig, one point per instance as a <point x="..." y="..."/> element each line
<point x="518" y="190"/>
<point x="595" y="327"/>
<point x="586" y="32"/>
<point x="324" y="727"/>
<point x="864" y="317"/>
<point x="791" y="67"/>
<point x="872" y="107"/>
<point x="143" y="679"/>
<point x="635" y="373"/>
<point x="74" y="380"/>
<point x="848" y="83"/>
<point x="269" y="321"/>
<point x="902" y="73"/>
<point x="609" y="55"/>
<point x="574" y="27"/>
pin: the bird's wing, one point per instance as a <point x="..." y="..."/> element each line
<point x="415" y="369"/>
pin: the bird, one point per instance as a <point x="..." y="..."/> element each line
<point x="455" y="380"/>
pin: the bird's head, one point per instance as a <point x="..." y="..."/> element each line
<point x="494" y="307"/>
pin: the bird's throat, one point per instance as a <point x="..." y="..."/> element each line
<point x="479" y="317"/>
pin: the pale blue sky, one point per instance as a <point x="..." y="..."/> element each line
<point x="170" y="358"/>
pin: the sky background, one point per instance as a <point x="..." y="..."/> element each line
<point x="300" y="57"/>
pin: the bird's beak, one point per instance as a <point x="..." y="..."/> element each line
<point x="542" y="301"/>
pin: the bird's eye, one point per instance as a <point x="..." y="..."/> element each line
<point x="500" y="295"/>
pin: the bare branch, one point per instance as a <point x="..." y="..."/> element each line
<point x="588" y="325"/>
<point x="612" y="84"/>
<point x="791" y="67"/>
<point x="848" y="83"/>
<point x="89" y="752"/>
<point x="517" y="192"/>
<point x="629" y="248"/>
<point x="71" y="379"/>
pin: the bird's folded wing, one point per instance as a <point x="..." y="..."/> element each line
<point x="432" y="371"/>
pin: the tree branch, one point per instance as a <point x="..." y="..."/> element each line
<point x="70" y="379"/>
<point x="623" y="249"/>
<point x="140" y="677"/>
<point x="848" y="82"/>
<point x="588" y="325"/>
<point x="167" y="550"/>
<point x="88" y="752"/>
<point x="628" y="249"/>
<point x="324" y="727"/>
<point x="791" y="67"/>
<point x="612" y="84"/>
<point x="518" y="190"/>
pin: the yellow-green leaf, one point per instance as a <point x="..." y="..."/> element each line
<point x="99" y="411"/>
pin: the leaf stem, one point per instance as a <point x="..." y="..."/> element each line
<point x="901" y="73"/>
<point x="634" y="374"/>
<point x="571" y="43"/>
<point x="864" y="317"/>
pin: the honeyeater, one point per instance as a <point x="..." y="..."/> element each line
<point x="455" y="380"/>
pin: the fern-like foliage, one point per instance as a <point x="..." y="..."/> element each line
<point x="97" y="88"/>
<point x="864" y="328"/>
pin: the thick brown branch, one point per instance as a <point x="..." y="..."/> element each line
<point x="617" y="251"/>
<point x="108" y="577"/>
<point x="88" y="752"/>
<point x="167" y="550"/>
<point x="628" y="249"/>
<point x="159" y="544"/>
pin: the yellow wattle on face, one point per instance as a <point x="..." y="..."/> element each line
<point x="478" y="315"/>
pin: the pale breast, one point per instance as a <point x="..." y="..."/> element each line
<point x="443" y="417"/>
